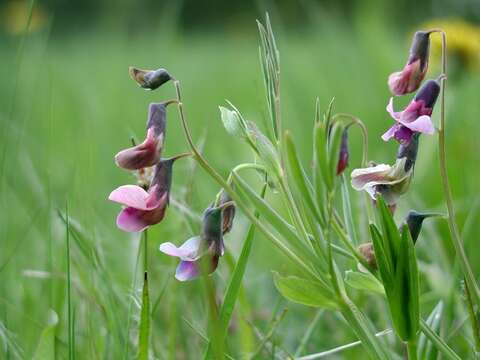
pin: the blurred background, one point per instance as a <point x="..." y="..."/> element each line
<point x="67" y="105"/>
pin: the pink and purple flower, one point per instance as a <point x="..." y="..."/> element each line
<point x="409" y="79"/>
<point x="199" y="253"/>
<point x="416" y="116"/>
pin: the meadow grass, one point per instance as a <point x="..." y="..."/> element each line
<point x="74" y="106"/>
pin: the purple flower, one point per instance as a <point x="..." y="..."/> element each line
<point x="149" y="151"/>
<point x="149" y="79"/>
<point x="203" y="250"/>
<point x="143" y="208"/>
<point x="409" y="79"/>
<point x="416" y="116"/>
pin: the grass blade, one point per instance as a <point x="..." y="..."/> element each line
<point x="144" y="331"/>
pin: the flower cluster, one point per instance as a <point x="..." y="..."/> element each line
<point x="145" y="204"/>
<point x="414" y="120"/>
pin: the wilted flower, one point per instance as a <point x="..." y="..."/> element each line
<point x="148" y="152"/>
<point x="344" y="155"/>
<point x="390" y="181"/>
<point x="144" y="208"/>
<point x="368" y="253"/>
<point x="416" y="116"/>
<point x="228" y="215"/>
<point x="206" y="248"/>
<point x="409" y="79"/>
<point x="149" y="79"/>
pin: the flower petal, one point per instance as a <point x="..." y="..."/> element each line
<point x="422" y="124"/>
<point x="131" y="220"/>
<point x="187" y="270"/>
<point x="361" y="177"/>
<point x="143" y="155"/>
<point x="393" y="113"/>
<point x="189" y="251"/>
<point x="135" y="197"/>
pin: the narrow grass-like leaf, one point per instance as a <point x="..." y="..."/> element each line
<point x="305" y="292"/>
<point x="231" y="122"/>
<point x="299" y="177"/>
<point x="384" y="264"/>
<point x="144" y="329"/>
<point x="71" y="349"/>
<point x="364" y="281"/>
<point x="425" y="348"/>
<point x="46" y="345"/>
<point x="321" y="156"/>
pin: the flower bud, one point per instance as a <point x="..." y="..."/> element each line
<point x="368" y="253"/>
<point x="149" y="79"/>
<point x="409" y="79"/>
<point x="344" y="154"/>
<point x="414" y="221"/>
<point x="409" y="152"/>
<point x="228" y="211"/>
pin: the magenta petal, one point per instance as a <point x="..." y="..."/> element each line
<point x="422" y="124"/>
<point x="389" y="133"/>
<point x="131" y="195"/>
<point x="187" y="270"/>
<point x="390" y="110"/>
<point x="132" y="220"/>
<point x="189" y="251"/>
<point x="143" y="155"/>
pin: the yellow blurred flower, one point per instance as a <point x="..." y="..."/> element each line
<point x="15" y="16"/>
<point x="463" y="41"/>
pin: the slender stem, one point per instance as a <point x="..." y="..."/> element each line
<point x="472" y="313"/>
<point x="145" y="250"/>
<point x="455" y="234"/>
<point x="412" y="349"/>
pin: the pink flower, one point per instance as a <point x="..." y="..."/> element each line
<point x="149" y="151"/>
<point x="142" y="208"/>
<point x="409" y="79"/>
<point x="416" y="116"/>
<point x="197" y="251"/>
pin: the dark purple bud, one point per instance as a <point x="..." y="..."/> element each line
<point x="420" y="48"/>
<point x="157" y="118"/>
<point x="409" y="151"/>
<point x="228" y="211"/>
<point x="414" y="221"/>
<point x="368" y="253"/>
<point x="344" y="155"/>
<point x="149" y="79"/>
<point x="428" y="93"/>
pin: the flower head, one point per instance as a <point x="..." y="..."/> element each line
<point x="409" y="79"/>
<point x="197" y="251"/>
<point x="149" y="151"/>
<point x="416" y="116"/>
<point x="390" y="181"/>
<point x="149" y="79"/>
<point x="143" y="208"/>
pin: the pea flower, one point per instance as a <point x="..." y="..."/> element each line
<point x="149" y="79"/>
<point x="416" y="116"/>
<point x="205" y="248"/>
<point x="149" y="151"/>
<point x="390" y="181"/>
<point x="145" y="208"/>
<point x="344" y="155"/>
<point x="409" y="79"/>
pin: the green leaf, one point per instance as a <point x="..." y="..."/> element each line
<point x="390" y="231"/>
<point x="306" y="292"/>
<point x="231" y="122"/>
<point x="299" y="177"/>
<point x="144" y="330"/>
<point x="321" y="156"/>
<point x="384" y="265"/>
<point x="46" y="345"/>
<point x="363" y="281"/>
<point x="265" y="148"/>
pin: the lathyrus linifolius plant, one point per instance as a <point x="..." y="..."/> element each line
<point x="313" y="229"/>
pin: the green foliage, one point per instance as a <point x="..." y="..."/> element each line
<point x="144" y="327"/>
<point x="46" y="344"/>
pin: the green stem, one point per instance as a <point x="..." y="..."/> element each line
<point x="412" y="349"/>
<point x="452" y="225"/>
<point x="472" y="314"/>
<point x="145" y="250"/>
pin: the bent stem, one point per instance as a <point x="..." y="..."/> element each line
<point x="452" y="225"/>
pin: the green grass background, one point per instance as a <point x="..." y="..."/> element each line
<point x="67" y="105"/>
